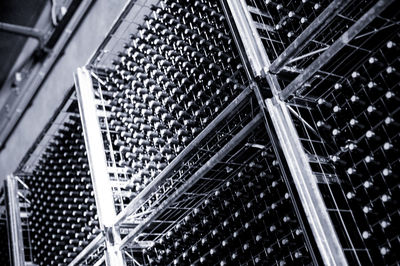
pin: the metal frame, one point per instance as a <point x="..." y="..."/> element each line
<point x="343" y="40"/>
<point x="306" y="184"/>
<point x="198" y="174"/>
<point x="115" y="25"/>
<point x="293" y="153"/>
<point x="14" y="220"/>
<point x="276" y="144"/>
<point x="98" y="166"/>
<point x="249" y="36"/>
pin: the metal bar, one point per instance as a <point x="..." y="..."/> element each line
<point x="309" y="33"/>
<point x="262" y="26"/>
<point x="286" y="172"/>
<point x="98" y="165"/>
<point x="100" y="261"/>
<point x="22" y="30"/>
<point x="141" y="244"/>
<point x="14" y="221"/>
<point x="346" y="37"/>
<point x="145" y="193"/>
<point x="303" y="121"/>
<point x="249" y="35"/>
<point x="259" y="12"/>
<point x="196" y="176"/>
<point x="306" y="184"/>
<point x="307" y="55"/>
<point x="275" y="87"/>
<point x="93" y="245"/>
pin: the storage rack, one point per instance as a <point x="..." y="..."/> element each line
<point x="294" y="56"/>
<point x="56" y="162"/>
<point x="307" y="78"/>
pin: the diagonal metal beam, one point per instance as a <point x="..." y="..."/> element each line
<point x="346" y="37"/>
<point x="144" y="194"/>
<point x="195" y="177"/>
<point x="309" y="33"/>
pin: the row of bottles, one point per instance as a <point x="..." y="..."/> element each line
<point x="173" y="78"/>
<point x="360" y="120"/>
<point x="63" y="216"/>
<point x="250" y="219"/>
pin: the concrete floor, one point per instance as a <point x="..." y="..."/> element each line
<point x="86" y="39"/>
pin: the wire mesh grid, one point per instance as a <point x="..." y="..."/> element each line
<point x="119" y="35"/>
<point x="195" y="197"/>
<point x="346" y="16"/>
<point x="362" y="91"/>
<point x="330" y="186"/>
<point x="67" y="111"/>
<point x="340" y="66"/>
<point x="67" y="114"/>
<point x="229" y="169"/>
<point x="122" y="177"/>
<point x="198" y="156"/>
<point x="331" y="32"/>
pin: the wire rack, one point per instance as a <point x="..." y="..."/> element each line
<point x="337" y="82"/>
<point x="279" y="23"/>
<point x="194" y="161"/>
<point x="227" y="170"/>
<point x="318" y="37"/>
<point x="67" y="113"/>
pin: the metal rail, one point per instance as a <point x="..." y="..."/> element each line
<point x="196" y="176"/>
<point x="23" y="30"/>
<point x="249" y="35"/>
<point x="309" y="33"/>
<point x="346" y="37"/>
<point x="98" y="165"/>
<point x="144" y="194"/>
<point x="306" y="184"/>
<point x="285" y="170"/>
<point x="14" y="220"/>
